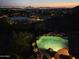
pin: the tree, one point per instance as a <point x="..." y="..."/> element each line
<point x="21" y="43"/>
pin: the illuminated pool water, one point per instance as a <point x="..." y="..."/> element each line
<point x="54" y="42"/>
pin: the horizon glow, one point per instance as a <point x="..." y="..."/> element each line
<point x="39" y="3"/>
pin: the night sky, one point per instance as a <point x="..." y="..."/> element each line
<point x="39" y="3"/>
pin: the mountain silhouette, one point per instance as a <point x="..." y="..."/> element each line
<point x="76" y="9"/>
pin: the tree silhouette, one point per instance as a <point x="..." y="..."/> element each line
<point x="21" y="43"/>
